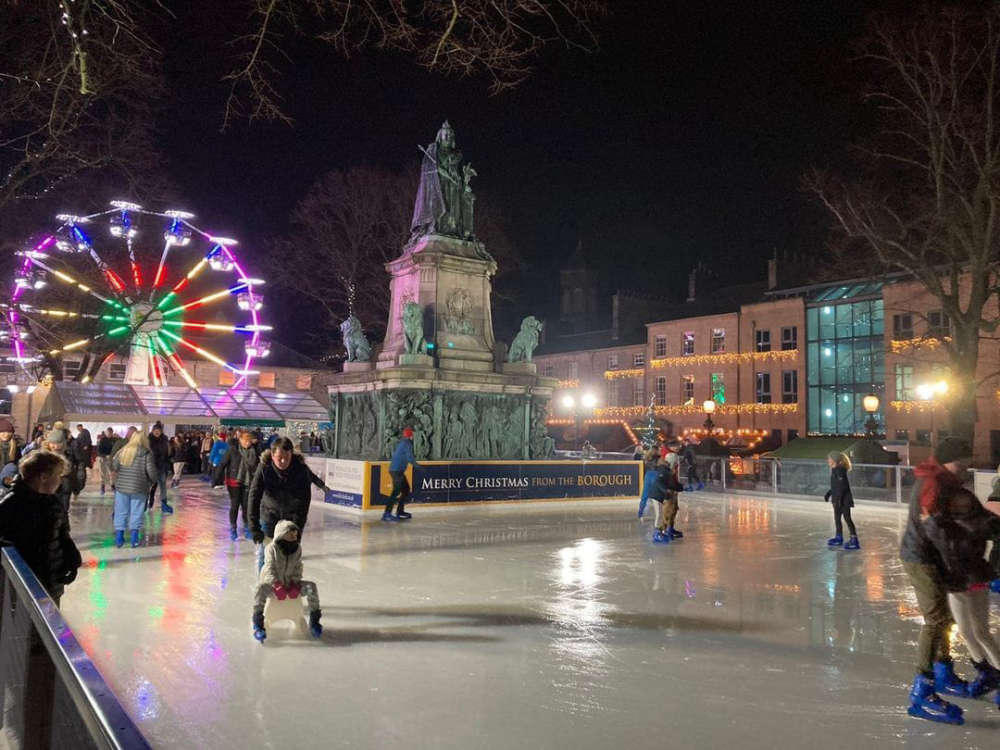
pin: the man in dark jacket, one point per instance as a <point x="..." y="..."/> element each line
<point x="401" y="458"/>
<point x="237" y="469"/>
<point x="938" y="478"/>
<point x="105" y="447"/>
<point x="159" y="446"/>
<point x="33" y="520"/>
<point x="281" y="490"/>
<point x="691" y="460"/>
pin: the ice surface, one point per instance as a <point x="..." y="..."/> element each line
<point x="546" y="626"/>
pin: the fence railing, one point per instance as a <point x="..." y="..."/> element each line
<point x="801" y="477"/>
<point x="51" y="694"/>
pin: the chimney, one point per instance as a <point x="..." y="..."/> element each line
<point x="772" y="273"/>
<point x="692" y="278"/>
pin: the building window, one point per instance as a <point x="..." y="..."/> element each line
<point x="574" y="371"/>
<point x="718" y="388"/>
<point x="904" y="383"/>
<point x="71" y="368"/>
<point x="661" y="391"/>
<point x="612" y="399"/>
<point x="613" y="361"/>
<point x="902" y="327"/>
<point x="638" y="392"/>
<point x="639" y="359"/>
<point x="226" y="377"/>
<point x="938" y="324"/>
<point x="790" y="386"/>
<point x="687" y="344"/>
<point x="763" y="339"/>
<point x="303" y="382"/>
<point x="687" y="389"/>
<point x="547" y="371"/>
<point x="789" y="338"/>
<point x="7" y="367"/>
<point x="660" y="346"/>
<point x="718" y="340"/>
<point x="763" y="387"/>
<point x="266" y="380"/>
<point x="116" y="371"/>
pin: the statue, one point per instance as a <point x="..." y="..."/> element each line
<point x="526" y="340"/>
<point x="358" y="348"/>
<point x="444" y="198"/>
<point x="413" y="328"/>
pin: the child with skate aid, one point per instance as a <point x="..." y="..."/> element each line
<point x="281" y="577"/>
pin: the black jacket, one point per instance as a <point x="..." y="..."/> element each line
<point x="281" y="495"/>
<point x="231" y="463"/>
<point x="105" y="445"/>
<point x="840" y="488"/>
<point x="960" y="541"/>
<point x="37" y="526"/>
<point x="665" y="482"/>
<point x="160" y="448"/>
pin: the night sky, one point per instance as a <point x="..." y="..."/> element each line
<point x="683" y="139"/>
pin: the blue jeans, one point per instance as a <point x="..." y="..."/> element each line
<point x="161" y="481"/>
<point x="268" y="531"/>
<point x="129" y="510"/>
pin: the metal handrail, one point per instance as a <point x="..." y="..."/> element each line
<point x="105" y="718"/>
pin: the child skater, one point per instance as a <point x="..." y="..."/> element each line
<point x="959" y="527"/>
<point x="649" y="459"/>
<point x="664" y="492"/>
<point x="840" y="495"/>
<point x="281" y="576"/>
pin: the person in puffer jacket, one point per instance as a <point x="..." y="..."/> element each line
<point x="281" y="577"/>
<point x="135" y="470"/>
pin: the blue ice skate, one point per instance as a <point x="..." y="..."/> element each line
<point x="232" y="533"/>
<point x="247" y="534"/>
<point x="135" y="537"/>
<point x="852" y="543"/>
<point x="258" y="627"/>
<point x="835" y="541"/>
<point x="987" y="679"/>
<point x="995" y="586"/>
<point x="947" y="682"/>
<point x="314" y="627"/>
<point x="660" y="538"/>
<point x="389" y="517"/>
<point x="674" y="533"/>
<point x="119" y="538"/>
<point x="926" y="704"/>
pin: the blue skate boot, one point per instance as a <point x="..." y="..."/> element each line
<point x="987" y="679"/>
<point x="314" y="627"/>
<point x="258" y="626"/>
<point x="926" y="704"/>
<point x="995" y="586"/>
<point x="119" y="538"/>
<point x="852" y="543"/>
<point x="387" y="516"/>
<point x="835" y="541"/>
<point x="247" y="534"/>
<point x="674" y="533"/>
<point x="947" y="682"/>
<point x="135" y="537"/>
<point x="660" y="538"/>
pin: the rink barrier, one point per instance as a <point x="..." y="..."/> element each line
<point x="51" y="693"/>
<point x="366" y="485"/>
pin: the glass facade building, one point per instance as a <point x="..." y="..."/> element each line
<point x="845" y="356"/>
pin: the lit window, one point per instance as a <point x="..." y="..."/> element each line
<point x="687" y="344"/>
<point x="718" y="340"/>
<point x="266" y="380"/>
<point x="687" y="389"/>
<point x="904" y="383"/>
<point x="718" y="388"/>
<point x="789" y="338"/>
<point x="763" y="340"/>
<point x="226" y="377"/>
<point x="613" y="361"/>
<point x="639" y="359"/>
<point x="763" y="387"/>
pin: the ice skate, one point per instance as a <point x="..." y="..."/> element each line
<point x="675" y="533"/>
<point x="232" y="533"/>
<point x="315" y="629"/>
<point x="165" y="508"/>
<point x="403" y="516"/>
<point x="987" y="679"/>
<point x="947" y="682"/>
<point x="135" y="537"/>
<point x="926" y="704"/>
<point x="119" y="538"/>
<point x="258" y="626"/>
<point x="661" y="538"/>
<point x="247" y="534"/>
<point x="700" y="486"/>
<point x="835" y="541"/>
<point x="852" y="543"/>
<point x="389" y="517"/>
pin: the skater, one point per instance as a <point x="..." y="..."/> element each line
<point x="159" y="445"/>
<point x="664" y="492"/>
<point x="237" y="470"/>
<point x="960" y="527"/>
<point x="178" y="458"/>
<point x="34" y="522"/>
<point x="206" y="450"/>
<point x="135" y="472"/>
<point x="939" y="478"/>
<point x="690" y="460"/>
<point x="281" y="577"/>
<point x="649" y="459"/>
<point x="69" y="487"/>
<point x="401" y="458"/>
<point x="219" y="448"/>
<point x="280" y="491"/>
<point x="105" y="445"/>
<point x="10" y="444"/>
<point x="840" y="495"/>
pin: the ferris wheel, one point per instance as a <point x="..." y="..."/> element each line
<point x="148" y="286"/>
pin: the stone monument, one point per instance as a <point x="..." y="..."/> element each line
<point x="436" y="370"/>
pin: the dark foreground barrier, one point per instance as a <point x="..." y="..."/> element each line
<point x="51" y="694"/>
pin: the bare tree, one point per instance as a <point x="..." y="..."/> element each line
<point x="926" y="195"/>
<point x="500" y="39"/>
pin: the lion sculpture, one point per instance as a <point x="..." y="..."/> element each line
<point x="525" y="341"/>
<point x="413" y="328"/>
<point x="358" y="348"/>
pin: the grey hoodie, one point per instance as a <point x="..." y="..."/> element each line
<point x="279" y="567"/>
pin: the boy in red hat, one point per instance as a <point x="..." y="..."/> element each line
<point x="401" y="458"/>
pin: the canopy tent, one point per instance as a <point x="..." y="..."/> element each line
<point x="116" y="403"/>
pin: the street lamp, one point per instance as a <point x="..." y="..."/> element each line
<point x="870" y="402"/>
<point x="709" y="407"/>
<point x="927" y="392"/>
<point x="587" y="401"/>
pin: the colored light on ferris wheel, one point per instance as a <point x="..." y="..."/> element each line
<point x="177" y="233"/>
<point x="248" y="301"/>
<point x="261" y="349"/>
<point x="219" y="261"/>
<point x="122" y="226"/>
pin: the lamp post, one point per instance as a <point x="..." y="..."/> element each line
<point x="571" y="403"/>
<point x="927" y="392"/>
<point x="709" y="407"/>
<point x="870" y="403"/>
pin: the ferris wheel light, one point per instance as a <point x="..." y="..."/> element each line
<point x="71" y="219"/>
<point x="64" y="246"/>
<point x="222" y="240"/>
<point x="261" y="349"/>
<point x="177" y="233"/>
<point x="247" y="301"/>
<point x="122" y="226"/>
<point x="176" y="214"/>
<point x="125" y="205"/>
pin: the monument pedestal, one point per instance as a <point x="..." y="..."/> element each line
<point x="519" y="368"/>
<point x="416" y="360"/>
<point x="358" y="366"/>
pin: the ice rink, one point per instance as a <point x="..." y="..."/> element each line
<point x="546" y="626"/>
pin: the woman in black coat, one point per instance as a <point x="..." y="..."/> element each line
<point x="840" y="495"/>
